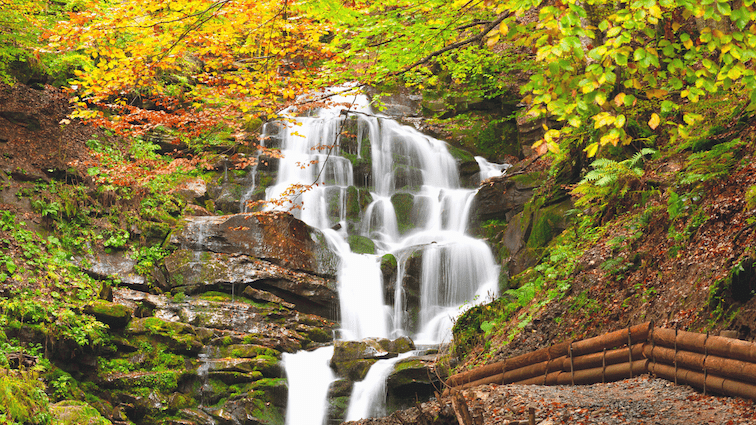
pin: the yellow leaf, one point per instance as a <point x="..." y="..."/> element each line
<point x="591" y="149"/>
<point x="610" y="137"/>
<point x="655" y="11"/>
<point x="492" y="41"/>
<point x="656" y="93"/>
<point x="503" y="29"/>
<point x="654" y="121"/>
<point x="619" y="100"/>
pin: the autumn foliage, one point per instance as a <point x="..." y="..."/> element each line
<point x="189" y="65"/>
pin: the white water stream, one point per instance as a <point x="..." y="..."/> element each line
<point x="457" y="270"/>
<point x="309" y="376"/>
<point x="366" y="393"/>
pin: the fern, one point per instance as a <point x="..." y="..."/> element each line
<point x="607" y="171"/>
<point x="608" y="178"/>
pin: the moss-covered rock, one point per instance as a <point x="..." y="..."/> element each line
<point x="180" y="337"/>
<point x="400" y="345"/>
<point x="164" y="381"/>
<point x="70" y="412"/>
<point x="388" y="264"/>
<point x="354" y="370"/>
<point x="548" y="222"/>
<point x="151" y="230"/>
<point x="248" y="351"/>
<point x="230" y="377"/>
<point x="361" y="244"/>
<point x="115" y="315"/>
<point x="403" y="204"/>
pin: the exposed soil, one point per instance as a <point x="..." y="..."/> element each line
<point x="641" y="400"/>
<point x="37" y="140"/>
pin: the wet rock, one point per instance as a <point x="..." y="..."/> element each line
<point x="503" y="197"/>
<point x="196" y="417"/>
<point x="276" y="237"/>
<point x="194" y="272"/>
<point x="403" y="203"/>
<point x="193" y="190"/>
<point x="115" y="315"/>
<point x="258" y="295"/>
<point x="116" y="265"/>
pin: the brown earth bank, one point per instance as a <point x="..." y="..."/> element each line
<point x="637" y="270"/>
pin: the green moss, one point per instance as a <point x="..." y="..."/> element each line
<point x="249" y="351"/>
<point x="116" y="315"/>
<point x="361" y="244"/>
<point x="388" y="264"/>
<point x="265" y="413"/>
<point x="547" y="223"/>
<point x="71" y="412"/>
<point x="165" y="381"/>
<point x="23" y="399"/>
<point x="460" y="154"/>
<point x="403" y="203"/>
<point x="154" y="230"/>
<point x="529" y="179"/>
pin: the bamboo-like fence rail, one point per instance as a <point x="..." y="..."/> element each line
<point x="710" y="363"/>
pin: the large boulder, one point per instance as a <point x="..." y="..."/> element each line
<point x="194" y="272"/>
<point x="530" y="231"/>
<point x="352" y="359"/>
<point x="413" y="378"/>
<point x="273" y="236"/>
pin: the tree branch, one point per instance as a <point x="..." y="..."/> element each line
<point x="474" y="39"/>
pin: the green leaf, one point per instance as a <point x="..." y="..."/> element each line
<point x="668" y="106"/>
<point x="724" y="8"/>
<point x="639" y="54"/>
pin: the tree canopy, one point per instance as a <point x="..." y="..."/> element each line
<point x="601" y="69"/>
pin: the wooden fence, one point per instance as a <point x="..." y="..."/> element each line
<point x="710" y="363"/>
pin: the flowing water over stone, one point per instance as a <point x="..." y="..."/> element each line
<point x="369" y="395"/>
<point x="406" y="206"/>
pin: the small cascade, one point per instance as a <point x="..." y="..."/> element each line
<point x="309" y="376"/>
<point x="489" y="169"/>
<point x="369" y="395"/>
<point x="205" y="357"/>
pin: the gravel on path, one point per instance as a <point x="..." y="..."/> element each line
<point x="640" y="400"/>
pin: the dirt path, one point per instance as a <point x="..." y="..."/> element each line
<point x="641" y="400"/>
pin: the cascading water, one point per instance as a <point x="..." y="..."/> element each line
<point x="309" y="377"/>
<point x="369" y="395"/>
<point x="417" y="208"/>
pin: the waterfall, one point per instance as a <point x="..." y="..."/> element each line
<point x="418" y="212"/>
<point x="309" y="377"/>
